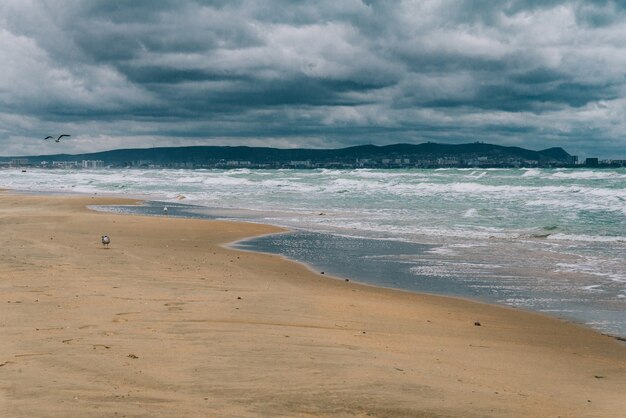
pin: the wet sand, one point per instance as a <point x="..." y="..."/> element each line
<point x="169" y="322"/>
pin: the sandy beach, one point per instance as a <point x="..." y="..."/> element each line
<point x="168" y="322"/>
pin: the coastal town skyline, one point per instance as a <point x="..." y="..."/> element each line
<point x="312" y="75"/>
<point x="425" y="155"/>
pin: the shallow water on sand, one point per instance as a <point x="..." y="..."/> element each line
<point x="519" y="277"/>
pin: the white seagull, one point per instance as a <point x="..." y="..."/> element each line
<point x="106" y="241"/>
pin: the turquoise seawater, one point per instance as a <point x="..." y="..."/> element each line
<point x="552" y="240"/>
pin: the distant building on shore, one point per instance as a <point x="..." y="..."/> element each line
<point x="238" y="163"/>
<point x="300" y="164"/>
<point x="65" y="164"/>
<point x="19" y="162"/>
<point x="93" y="164"/>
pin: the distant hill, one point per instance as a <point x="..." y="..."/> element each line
<point x="199" y="155"/>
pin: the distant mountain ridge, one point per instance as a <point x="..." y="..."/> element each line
<point x="199" y="155"/>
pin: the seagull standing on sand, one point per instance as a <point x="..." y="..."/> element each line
<point x="165" y="211"/>
<point x="57" y="139"/>
<point x="106" y="241"/>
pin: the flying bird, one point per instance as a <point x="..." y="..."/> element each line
<point x="57" y="139"/>
<point x="106" y="241"/>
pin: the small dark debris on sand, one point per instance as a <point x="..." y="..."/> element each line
<point x="96" y="346"/>
<point x="347" y="280"/>
<point x="321" y="272"/>
<point x="477" y="324"/>
<point x="599" y="377"/>
<point x="132" y="356"/>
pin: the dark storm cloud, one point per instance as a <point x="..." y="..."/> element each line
<point x="535" y="97"/>
<point x="297" y="73"/>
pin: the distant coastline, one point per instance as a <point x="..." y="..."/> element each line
<point x="397" y="156"/>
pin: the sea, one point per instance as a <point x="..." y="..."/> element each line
<point x="545" y="240"/>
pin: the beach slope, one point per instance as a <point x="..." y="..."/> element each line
<point x="168" y="322"/>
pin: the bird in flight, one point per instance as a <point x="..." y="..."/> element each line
<point x="57" y="139"/>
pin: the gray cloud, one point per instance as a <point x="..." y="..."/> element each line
<point x="152" y="73"/>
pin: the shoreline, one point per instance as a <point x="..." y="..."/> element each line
<point x="353" y="278"/>
<point x="484" y="300"/>
<point x="343" y="348"/>
<point x="139" y="200"/>
<point x="357" y="282"/>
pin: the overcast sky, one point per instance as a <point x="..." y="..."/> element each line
<point x="141" y="73"/>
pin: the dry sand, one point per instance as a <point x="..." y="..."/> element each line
<point x="168" y="322"/>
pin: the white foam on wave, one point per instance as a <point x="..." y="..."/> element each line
<point x="329" y="172"/>
<point x="447" y="251"/>
<point x="588" y="175"/>
<point x="587" y="238"/>
<point x="479" y="190"/>
<point x="372" y="174"/>
<point x="196" y="179"/>
<point x="468" y="245"/>
<point x="593" y="288"/>
<point x="470" y="213"/>
<point x="476" y="174"/>
<point x="240" y="171"/>
<point x="342" y="185"/>
<point x="596" y="266"/>
<point x="531" y="172"/>
<point x="226" y="181"/>
<point x="571" y="204"/>
<point x="446" y="269"/>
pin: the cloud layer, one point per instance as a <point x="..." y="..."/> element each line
<point x="142" y="73"/>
